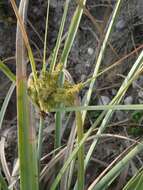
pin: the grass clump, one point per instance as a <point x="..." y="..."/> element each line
<point x="50" y="90"/>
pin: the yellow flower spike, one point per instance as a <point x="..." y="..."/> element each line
<point x="46" y="93"/>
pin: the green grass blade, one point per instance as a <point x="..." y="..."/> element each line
<point x="7" y="72"/>
<point x="101" y="53"/>
<point x="58" y="43"/>
<point x="40" y="136"/>
<point x="58" y="119"/>
<point x="80" y="134"/>
<point x="75" y="151"/>
<point x="98" y="63"/>
<point x="26" y="141"/>
<point x="46" y="35"/>
<point x="26" y="134"/>
<point x="63" y="60"/>
<point x="132" y="75"/>
<point x="126" y="107"/>
<point x="3" y="184"/>
<point x="136" y="182"/>
<point x="116" y="170"/>
<point x="5" y="103"/>
<point x="72" y="32"/>
<point x="99" y="119"/>
<point x="67" y="47"/>
<point x="138" y="65"/>
<point x="25" y="38"/>
<point x="58" y="123"/>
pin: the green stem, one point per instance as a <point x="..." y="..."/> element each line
<point x="67" y="47"/>
<point x="59" y="38"/>
<point x="3" y="184"/>
<point x="26" y="132"/>
<point x="80" y="134"/>
<point x="45" y="41"/>
<point x="26" y="141"/>
<point x="40" y="136"/>
<point x="58" y="129"/>
<point x="58" y="114"/>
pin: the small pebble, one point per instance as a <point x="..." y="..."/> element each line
<point x="114" y="92"/>
<point x="83" y="77"/>
<point x="104" y="100"/>
<point x="120" y="25"/>
<point x="120" y="115"/>
<point x="128" y="100"/>
<point x="140" y="93"/>
<point x="78" y="68"/>
<point x="90" y="51"/>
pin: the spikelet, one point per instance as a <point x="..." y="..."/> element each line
<point x="46" y="93"/>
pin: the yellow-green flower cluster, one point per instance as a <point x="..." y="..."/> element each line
<point x="46" y="92"/>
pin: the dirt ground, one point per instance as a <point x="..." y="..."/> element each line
<point x="126" y="37"/>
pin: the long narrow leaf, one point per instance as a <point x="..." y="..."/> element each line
<point x="3" y="183"/>
<point x="116" y="170"/>
<point x="58" y="43"/>
<point x="127" y="107"/>
<point x="132" y="75"/>
<point x="46" y="35"/>
<point x="26" y="136"/>
<point x="136" y="182"/>
<point x="72" y="32"/>
<point x="122" y="90"/>
<point x="7" y="72"/>
<point x="25" y="38"/>
<point x="101" y="53"/>
<point x="5" y="103"/>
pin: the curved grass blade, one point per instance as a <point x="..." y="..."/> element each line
<point x="25" y="38"/>
<point x="75" y="151"/>
<point x="116" y="170"/>
<point x="131" y="76"/>
<point x="67" y="177"/>
<point x="101" y="53"/>
<point x="4" y="163"/>
<point x="7" y="71"/>
<point x="3" y="184"/>
<point x="5" y="103"/>
<point x="136" y="182"/>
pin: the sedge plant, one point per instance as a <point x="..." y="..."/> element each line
<point x="51" y="91"/>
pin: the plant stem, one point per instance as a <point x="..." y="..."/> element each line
<point x="58" y="119"/>
<point x="45" y="41"/>
<point x="80" y="133"/>
<point x="59" y="38"/>
<point x="26" y="132"/>
<point x="58" y="129"/>
<point x="40" y="135"/>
